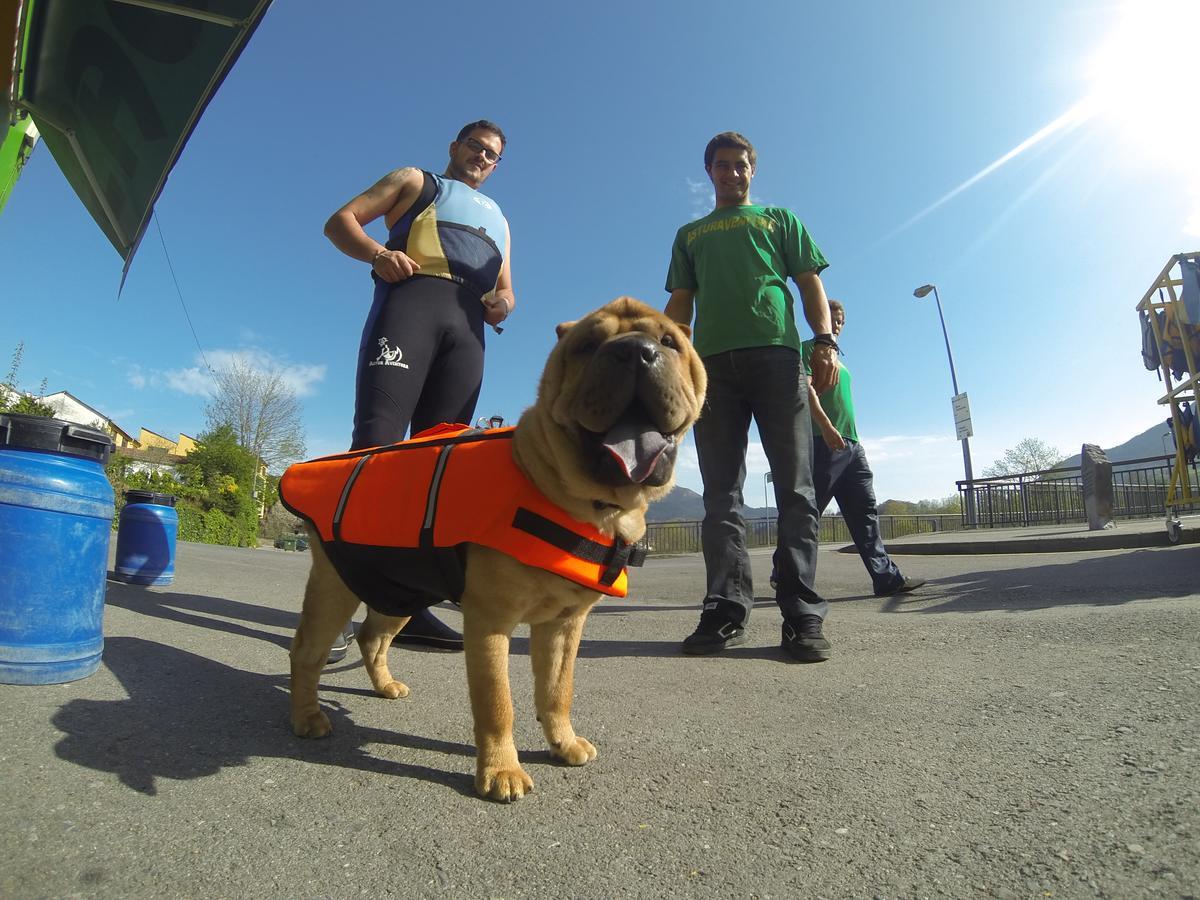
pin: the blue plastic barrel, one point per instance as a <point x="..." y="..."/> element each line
<point x="146" y="539"/>
<point x="56" y="512"/>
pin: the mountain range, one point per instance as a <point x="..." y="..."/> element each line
<point x="1150" y="442"/>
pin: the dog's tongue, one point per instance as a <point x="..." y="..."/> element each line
<point x="637" y="447"/>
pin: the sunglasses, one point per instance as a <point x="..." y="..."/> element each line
<point x="488" y="153"/>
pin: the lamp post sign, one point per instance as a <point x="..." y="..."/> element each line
<point x="958" y="402"/>
<point x="962" y="416"/>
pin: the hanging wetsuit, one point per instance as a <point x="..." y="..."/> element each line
<point x="420" y="360"/>
<point x="394" y="520"/>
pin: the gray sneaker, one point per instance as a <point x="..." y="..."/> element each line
<point x="341" y="646"/>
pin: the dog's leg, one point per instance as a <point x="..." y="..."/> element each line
<point x="374" y="639"/>
<point x="498" y="772"/>
<point x="328" y="606"/>
<point x="552" y="649"/>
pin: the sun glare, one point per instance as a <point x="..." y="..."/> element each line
<point x="1142" y="89"/>
<point x="1144" y="77"/>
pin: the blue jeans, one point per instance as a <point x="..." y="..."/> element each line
<point x="844" y="476"/>
<point x="769" y="384"/>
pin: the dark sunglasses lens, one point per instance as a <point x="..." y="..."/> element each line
<point x="488" y="154"/>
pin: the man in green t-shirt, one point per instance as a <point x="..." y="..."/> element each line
<point x="729" y="270"/>
<point x="841" y="472"/>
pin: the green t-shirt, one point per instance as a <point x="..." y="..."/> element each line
<point x="837" y="402"/>
<point x="737" y="260"/>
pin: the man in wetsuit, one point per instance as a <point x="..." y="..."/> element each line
<point x="444" y="273"/>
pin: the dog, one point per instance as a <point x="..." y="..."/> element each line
<point x="619" y="391"/>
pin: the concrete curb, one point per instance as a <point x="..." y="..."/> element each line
<point x="1122" y="537"/>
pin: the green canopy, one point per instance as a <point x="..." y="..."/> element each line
<point x="15" y="148"/>
<point x="116" y="86"/>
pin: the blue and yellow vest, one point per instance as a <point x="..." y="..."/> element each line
<point x="452" y="231"/>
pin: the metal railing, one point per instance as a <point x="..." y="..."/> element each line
<point x="684" y="537"/>
<point x="1055" y="496"/>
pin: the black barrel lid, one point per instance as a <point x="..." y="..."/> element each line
<point x="152" y="497"/>
<point x="22" y="432"/>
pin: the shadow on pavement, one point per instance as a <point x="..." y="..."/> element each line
<point x="201" y="611"/>
<point x="189" y="717"/>
<point x="1103" y="579"/>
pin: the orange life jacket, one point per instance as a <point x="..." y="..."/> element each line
<point x="395" y="520"/>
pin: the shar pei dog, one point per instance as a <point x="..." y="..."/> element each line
<point x="530" y="524"/>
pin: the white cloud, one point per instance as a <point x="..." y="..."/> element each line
<point x="1191" y="226"/>
<point x="303" y="379"/>
<point x="135" y="377"/>
<point x="196" y="381"/>
<point x="914" y="467"/>
<point x="701" y="193"/>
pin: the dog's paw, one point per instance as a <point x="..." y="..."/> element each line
<point x="393" y="690"/>
<point x="504" y="785"/>
<point x="313" y="725"/>
<point x="575" y="752"/>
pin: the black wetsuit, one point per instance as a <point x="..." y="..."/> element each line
<point x="420" y="360"/>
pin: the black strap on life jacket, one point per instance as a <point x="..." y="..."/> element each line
<point x="613" y="558"/>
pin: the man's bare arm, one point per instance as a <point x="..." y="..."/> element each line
<point x="833" y="438"/>
<point x="391" y="196"/>
<point x="500" y="304"/>
<point x="681" y="306"/>
<point x="825" y="370"/>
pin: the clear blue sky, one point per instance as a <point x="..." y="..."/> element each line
<point x="865" y="115"/>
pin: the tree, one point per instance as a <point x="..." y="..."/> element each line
<point x="13" y="399"/>
<point x="261" y="409"/>
<point x="1030" y="455"/>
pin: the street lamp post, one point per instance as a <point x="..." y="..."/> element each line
<point x="923" y="291"/>
<point x="1163" y="437"/>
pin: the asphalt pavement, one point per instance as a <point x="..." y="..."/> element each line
<point x="1025" y="725"/>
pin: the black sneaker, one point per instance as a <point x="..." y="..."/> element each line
<point x="905" y="585"/>
<point x="802" y="638"/>
<point x="341" y="646"/>
<point x="428" y="630"/>
<point x="714" y="633"/>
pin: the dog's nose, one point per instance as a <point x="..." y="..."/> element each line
<point x="632" y="348"/>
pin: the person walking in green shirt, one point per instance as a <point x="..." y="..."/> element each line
<point x="841" y="472"/>
<point x="729" y="271"/>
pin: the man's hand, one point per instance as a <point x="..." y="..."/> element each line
<point x="833" y="439"/>
<point x="496" y="308"/>
<point x="825" y="368"/>
<point x="394" y="265"/>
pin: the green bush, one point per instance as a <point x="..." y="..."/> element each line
<point x="213" y="490"/>
<point x="212" y="526"/>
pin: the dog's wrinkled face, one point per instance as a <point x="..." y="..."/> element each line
<point x="625" y="385"/>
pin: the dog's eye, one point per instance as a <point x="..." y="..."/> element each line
<point x="586" y="347"/>
<point x="668" y="340"/>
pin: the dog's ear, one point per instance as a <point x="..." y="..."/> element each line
<point x="562" y="328"/>
<point x="686" y="329"/>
